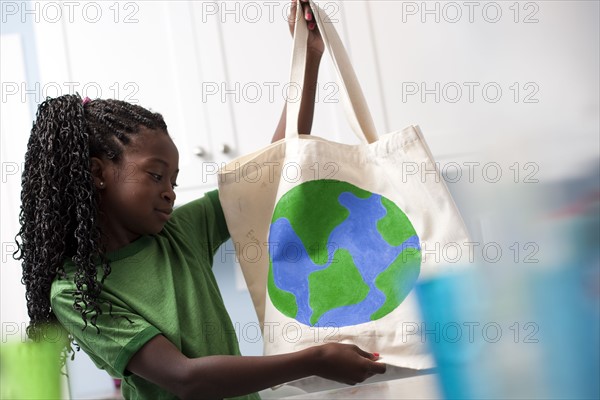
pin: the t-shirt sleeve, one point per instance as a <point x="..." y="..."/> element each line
<point x="119" y="337"/>
<point x="203" y="221"/>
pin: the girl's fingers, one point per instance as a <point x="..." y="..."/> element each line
<point x="308" y="15"/>
<point x="379" y="368"/>
<point x="365" y="354"/>
<point x="376" y="368"/>
<point x="307" y="11"/>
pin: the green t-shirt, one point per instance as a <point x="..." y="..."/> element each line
<point x="164" y="284"/>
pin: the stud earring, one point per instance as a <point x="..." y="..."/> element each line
<point x="101" y="184"/>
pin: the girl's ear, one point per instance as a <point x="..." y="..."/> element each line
<point x="98" y="167"/>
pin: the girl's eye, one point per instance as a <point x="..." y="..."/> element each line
<point x="155" y="176"/>
<point x="158" y="178"/>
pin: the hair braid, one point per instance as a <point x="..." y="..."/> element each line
<point x="59" y="203"/>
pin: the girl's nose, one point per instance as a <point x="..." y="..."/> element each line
<point x="170" y="196"/>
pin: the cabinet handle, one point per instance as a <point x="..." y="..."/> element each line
<point x="199" y="151"/>
<point x="225" y="149"/>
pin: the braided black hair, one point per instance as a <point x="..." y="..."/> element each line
<point x="59" y="203"/>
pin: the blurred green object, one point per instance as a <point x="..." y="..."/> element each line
<point x="31" y="370"/>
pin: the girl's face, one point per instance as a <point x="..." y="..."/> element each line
<point x="137" y="197"/>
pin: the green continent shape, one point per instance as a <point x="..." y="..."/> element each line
<point x="338" y="285"/>
<point x="314" y="211"/>
<point x="397" y="280"/>
<point x="394" y="227"/>
<point x="283" y="300"/>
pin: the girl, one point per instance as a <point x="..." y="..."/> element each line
<point x="106" y="255"/>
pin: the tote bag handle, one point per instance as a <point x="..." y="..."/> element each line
<point x="357" y="111"/>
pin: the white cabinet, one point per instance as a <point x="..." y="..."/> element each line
<point x="217" y="71"/>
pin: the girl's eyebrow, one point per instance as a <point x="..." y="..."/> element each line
<point x="160" y="160"/>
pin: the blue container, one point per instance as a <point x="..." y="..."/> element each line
<point x="453" y="308"/>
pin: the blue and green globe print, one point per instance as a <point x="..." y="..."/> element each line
<point x="340" y="255"/>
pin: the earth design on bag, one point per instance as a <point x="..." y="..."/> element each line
<point x="339" y="255"/>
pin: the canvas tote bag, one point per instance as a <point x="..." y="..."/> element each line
<point x="332" y="238"/>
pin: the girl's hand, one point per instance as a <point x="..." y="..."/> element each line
<point x="163" y="364"/>
<point x="346" y="363"/>
<point x="315" y="42"/>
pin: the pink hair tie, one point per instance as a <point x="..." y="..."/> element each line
<point x="86" y="100"/>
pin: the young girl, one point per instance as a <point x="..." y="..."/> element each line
<point x="106" y="255"/>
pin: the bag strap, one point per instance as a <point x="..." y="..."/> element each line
<point x="357" y="111"/>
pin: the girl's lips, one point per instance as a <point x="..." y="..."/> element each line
<point x="166" y="212"/>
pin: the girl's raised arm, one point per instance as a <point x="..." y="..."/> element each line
<point x="313" y="60"/>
